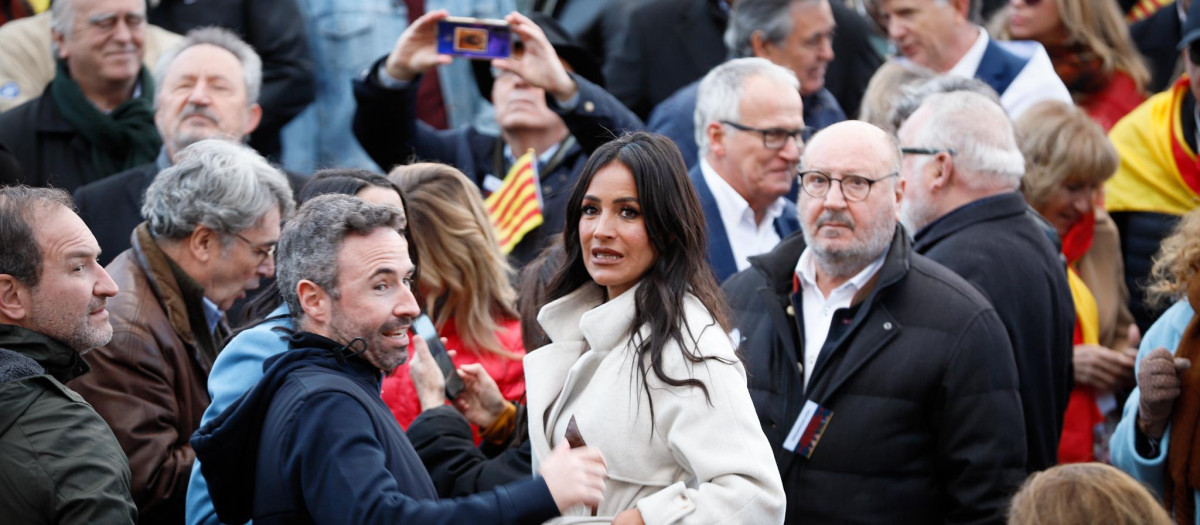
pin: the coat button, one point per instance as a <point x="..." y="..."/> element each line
<point x="887" y="326"/>
<point x="791" y="310"/>
<point x="589" y="106"/>
<point x="546" y="189"/>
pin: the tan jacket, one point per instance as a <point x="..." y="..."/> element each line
<point x="27" y="65"/>
<point x="698" y="463"/>
<point x="150" y="383"/>
<point x="1103" y="271"/>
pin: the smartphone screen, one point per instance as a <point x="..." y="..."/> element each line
<point x="474" y="37"/>
<point x="423" y="325"/>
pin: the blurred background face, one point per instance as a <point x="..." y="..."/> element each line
<point x="243" y="262"/>
<point x="808" y="50"/>
<point x="921" y="30"/>
<point x="1037" y="20"/>
<point x="1068" y="203"/>
<point x="204" y="96"/>
<point x="106" y="38"/>
<point x="758" y="173"/>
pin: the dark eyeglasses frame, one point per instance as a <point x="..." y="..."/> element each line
<point x="870" y="184"/>
<point x="799" y="136"/>
<point x="928" y="151"/>
<point x="262" y="253"/>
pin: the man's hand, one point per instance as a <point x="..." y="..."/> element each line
<point x="629" y="517"/>
<point x="1103" y="369"/>
<point x="539" y="66"/>
<point x="574" y="476"/>
<point x="416" y="49"/>
<point x="1158" y="381"/>
<point x="426" y="376"/>
<point x="480" y="401"/>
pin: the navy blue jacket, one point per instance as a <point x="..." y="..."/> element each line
<point x="720" y="255"/>
<point x="313" y="442"/>
<point x="675" y="118"/>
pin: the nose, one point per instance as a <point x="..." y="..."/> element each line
<point x="826" y="51"/>
<point x="199" y="94"/>
<point x="603" y="226"/>
<point x="122" y="32"/>
<point x="105" y="286"/>
<point x="266" y="268"/>
<point x="895" y="29"/>
<point x="834" y="198"/>
<point x="791" y="150"/>
<point x="1083" y="202"/>
<point x="407" y="305"/>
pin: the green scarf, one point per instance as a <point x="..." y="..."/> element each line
<point x="120" y="140"/>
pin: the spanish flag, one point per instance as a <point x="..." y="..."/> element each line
<point x="515" y="206"/>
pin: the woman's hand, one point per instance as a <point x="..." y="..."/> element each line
<point x="480" y="401"/>
<point x="426" y="376"/>
<point x="1103" y="369"/>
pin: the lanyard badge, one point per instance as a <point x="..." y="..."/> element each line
<point x="808" y="429"/>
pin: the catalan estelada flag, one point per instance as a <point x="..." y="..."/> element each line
<point x="515" y="206"/>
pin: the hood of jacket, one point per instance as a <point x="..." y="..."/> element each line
<point x="227" y="446"/>
<point x="49" y="355"/>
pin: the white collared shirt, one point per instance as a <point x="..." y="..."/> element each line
<point x="969" y="63"/>
<point x="746" y="238"/>
<point x="1036" y="82"/>
<point x="818" y="309"/>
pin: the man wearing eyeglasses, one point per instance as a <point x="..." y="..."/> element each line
<point x="96" y="116"/>
<point x="750" y="130"/>
<point x="212" y="221"/>
<point x="962" y="170"/>
<point x="884" y="382"/>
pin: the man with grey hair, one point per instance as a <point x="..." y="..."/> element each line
<point x="59" y="461"/>
<point x="962" y="170"/>
<point x="313" y="442"/>
<point x="884" y="382"/>
<point x="942" y="36"/>
<point x="750" y="130"/>
<point x="208" y="87"/>
<point x="795" y="34"/>
<point x="212" y="221"/>
<point x="95" y="118"/>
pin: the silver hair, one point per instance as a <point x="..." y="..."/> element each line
<point x="218" y="184"/>
<point x="309" y="243"/>
<point x="720" y="94"/>
<point x="770" y="18"/>
<point x="62" y="16"/>
<point x="980" y="133"/>
<point x="224" y="39"/>
<point x="911" y="97"/>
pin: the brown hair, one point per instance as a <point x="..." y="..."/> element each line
<point x="1061" y="144"/>
<point x="1083" y="494"/>
<point x="464" y="275"/>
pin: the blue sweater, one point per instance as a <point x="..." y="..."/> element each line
<point x="313" y="442"/>
<point x="1166" y="333"/>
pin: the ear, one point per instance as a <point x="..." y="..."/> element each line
<point x="716" y="138"/>
<point x="59" y="44"/>
<point x="963" y="8"/>
<point x="253" y="119"/>
<point x="759" y="45"/>
<point x="944" y="162"/>
<point x="315" y="302"/>
<point x="900" y="187"/>
<point x="204" y="244"/>
<point x="14" y="298"/>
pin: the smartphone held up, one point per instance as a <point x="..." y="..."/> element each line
<point x="478" y="38"/>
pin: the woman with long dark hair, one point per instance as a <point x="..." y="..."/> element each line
<point x="641" y="364"/>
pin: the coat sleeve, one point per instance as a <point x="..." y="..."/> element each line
<point x="386" y="125"/>
<point x="130" y="386"/>
<point x="442" y="437"/>
<point x="597" y="117"/>
<point x="341" y="460"/>
<point x="738" y="484"/>
<point x="978" y="413"/>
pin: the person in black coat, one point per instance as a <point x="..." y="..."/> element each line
<point x="962" y="173"/>
<point x="563" y="115"/>
<point x="902" y="367"/>
<point x="275" y="28"/>
<point x="313" y="441"/>
<point x="1156" y="37"/>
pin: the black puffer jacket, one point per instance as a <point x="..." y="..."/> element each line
<point x="919" y="374"/>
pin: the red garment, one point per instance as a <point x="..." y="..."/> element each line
<point x="400" y="394"/>
<point x="1114" y="102"/>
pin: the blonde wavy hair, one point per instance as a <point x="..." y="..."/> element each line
<point x="1061" y="144"/>
<point x="1099" y="26"/>
<point x="1177" y="261"/>
<point x="1082" y="494"/>
<point x="464" y="276"/>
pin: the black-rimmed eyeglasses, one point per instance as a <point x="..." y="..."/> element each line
<point x="854" y="187"/>
<point x="928" y="151"/>
<point x="775" y="138"/>
<point x="263" y="252"/>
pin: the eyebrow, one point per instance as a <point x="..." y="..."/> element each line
<point x="619" y="200"/>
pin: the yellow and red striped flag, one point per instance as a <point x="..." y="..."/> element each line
<point x="515" y="207"/>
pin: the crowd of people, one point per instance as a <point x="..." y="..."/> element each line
<point x="668" y="261"/>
